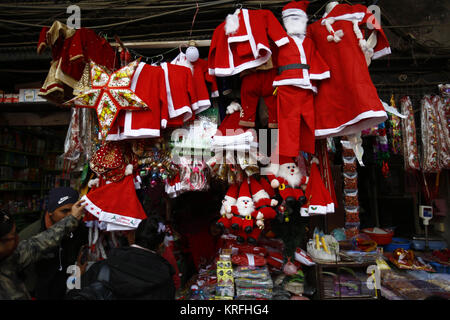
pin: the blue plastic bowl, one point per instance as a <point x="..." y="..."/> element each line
<point x="398" y="243"/>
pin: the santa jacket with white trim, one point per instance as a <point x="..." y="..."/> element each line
<point x="264" y="206"/>
<point x="200" y="77"/>
<point x="248" y="47"/>
<point x="181" y="96"/>
<point x="149" y="85"/>
<point x="298" y="63"/>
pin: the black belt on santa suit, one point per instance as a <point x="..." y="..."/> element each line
<point x="265" y="206"/>
<point x="249" y="217"/>
<point x="293" y="66"/>
<point x="288" y="187"/>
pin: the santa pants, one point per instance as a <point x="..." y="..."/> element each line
<point x="242" y="224"/>
<point x="295" y="120"/>
<point x="296" y="193"/>
<point x="253" y="86"/>
<point x="251" y="237"/>
<point x="224" y="222"/>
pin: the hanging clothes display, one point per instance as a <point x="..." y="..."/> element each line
<point x="430" y="135"/>
<point x="299" y="66"/>
<point x="71" y="50"/>
<point x="441" y="105"/>
<point x="241" y="42"/>
<point x="410" y="152"/>
<point x="349" y="94"/>
<point x="201" y="77"/>
<point x="149" y="84"/>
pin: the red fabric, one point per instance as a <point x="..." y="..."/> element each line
<point x="267" y="187"/>
<point x="275" y="259"/>
<point x="202" y="246"/>
<point x="349" y="95"/>
<point x="300" y="51"/>
<point x="232" y="54"/>
<point x="169" y="256"/>
<point x="243" y="260"/>
<point x="83" y="46"/>
<point x="245" y="248"/>
<point x="295" y="121"/>
<point x="181" y="96"/>
<point x="119" y="201"/>
<point x="201" y="76"/>
<point x="301" y="5"/>
<point x="257" y="85"/>
<point x="148" y="83"/>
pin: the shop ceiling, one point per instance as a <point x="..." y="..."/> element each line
<point x="416" y="29"/>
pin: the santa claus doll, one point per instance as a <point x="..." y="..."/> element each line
<point x="264" y="205"/>
<point x="229" y="200"/>
<point x="289" y="181"/>
<point x="243" y="222"/>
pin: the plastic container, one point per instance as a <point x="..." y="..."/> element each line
<point x="380" y="238"/>
<point x="398" y="243"/>
<point x="432" y="244"/>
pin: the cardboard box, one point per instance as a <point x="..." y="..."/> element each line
<point x="30" y="95"/>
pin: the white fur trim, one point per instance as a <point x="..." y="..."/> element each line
<point x="372" y="118"/>
<point x="347" y="17"/>
<point x="93" y="182"/>
<point x="282" y="41"/>
<point x="202" y="105"/>
<point x="232" y="23"/>
<point x="319" y="76"/>
<point x="261" y="194"/>
<point x="119" y="219"/>
<point x="91" y="207"/>
<point x="381" y="53"/>
<point x="136" y="76"/>
<point x="297" y="12"/>
<point x="128" y="169"/>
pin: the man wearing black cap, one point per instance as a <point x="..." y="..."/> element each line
<point x="46" y="279"/>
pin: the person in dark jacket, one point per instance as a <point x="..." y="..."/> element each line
<point x="15" y="255"/>
<point x="46" y="279"/>
<point x="138" y="271"/>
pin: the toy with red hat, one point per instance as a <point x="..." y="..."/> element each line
<point x="228" y="201"/>
<point x="295" y="8"/>
<point x="288" y="180"/>
<point x="263" y="203"/>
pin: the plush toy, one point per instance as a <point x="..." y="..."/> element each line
<point x="264" y="205"/>
<point x="243" y="221"/>
<point x="228" y="201"/>
<point x="289" y="181"/>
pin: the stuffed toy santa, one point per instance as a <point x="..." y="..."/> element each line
<point x="228" y="201"/>
<point x="289" y="181"/>
<point x="263" y="203"/>
<point x="243" y="222"/>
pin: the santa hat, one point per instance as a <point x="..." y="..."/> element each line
<point x="285" y="160"/>
<point x="116" y="203"/>
<point x="233" y="191"/>
<point x="257" y="190"/>
<point x="244" y="190"/>
<point x="295" y="8"/>
<point x="267" y="187"/>
<point x="318" y="197"/>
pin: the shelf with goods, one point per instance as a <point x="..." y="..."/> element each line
<point x="30" y="166"/>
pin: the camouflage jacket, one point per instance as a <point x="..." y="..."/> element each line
<point x="27" y="252"/>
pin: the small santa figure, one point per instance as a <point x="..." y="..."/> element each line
<point x="263" y="203"/>
<point x="289" y="181"/>
<point x="242" y="221"/>
<point x="229" y="200"/>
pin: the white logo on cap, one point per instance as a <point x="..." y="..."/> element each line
<point x="63" y="199"/>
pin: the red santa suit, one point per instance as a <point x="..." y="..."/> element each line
<point x="288" y="179"/>
<point x="181" y="96"/>
<point x="246" y="45"/>
<point x="256" y="85"/>
<point x="199" y="69"/>
<point x="299" y="65"/>
<point x="348" y="102"/>
<point x="149" y="84"/>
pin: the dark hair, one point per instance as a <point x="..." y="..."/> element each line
<point x="6" y="222"/>
<point x="148" y="233"/>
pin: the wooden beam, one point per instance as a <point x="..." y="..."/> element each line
<point x="34" y="119"/>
